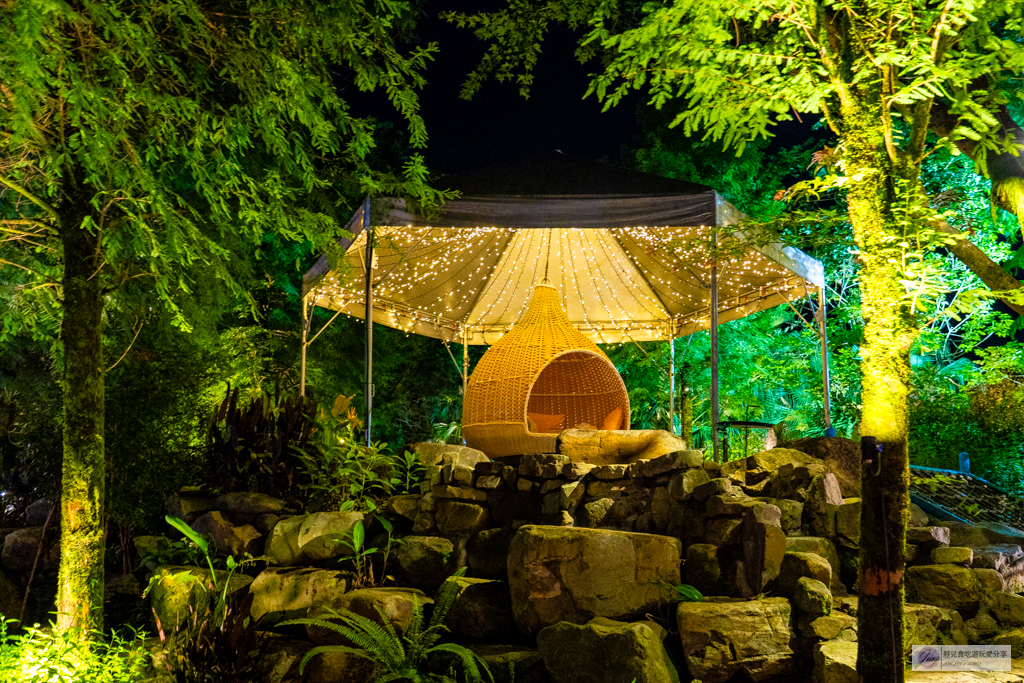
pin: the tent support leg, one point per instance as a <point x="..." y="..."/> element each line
<point x="714" y="360"/>
<point x="825" y="375"/>
<point x="465" y="373"/>
<point x="302" y="358"/>
<point x="672" y="385"/>
<point x="369" y="319"/>
<point x="465" y="364"/>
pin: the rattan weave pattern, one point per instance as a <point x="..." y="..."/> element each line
<point x="543" y="365"/>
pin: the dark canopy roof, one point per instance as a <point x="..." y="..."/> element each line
<point x="561" y="174"/>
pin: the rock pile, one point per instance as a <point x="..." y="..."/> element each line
<point x="572" y="565"/>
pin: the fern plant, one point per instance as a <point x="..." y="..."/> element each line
<point x="406" y="657"/>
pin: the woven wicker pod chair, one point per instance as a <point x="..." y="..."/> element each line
<point x="540" y="378"/>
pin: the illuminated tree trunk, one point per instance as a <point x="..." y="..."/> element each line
<point x="889" y="331"/>
<point x="80" y="581"/>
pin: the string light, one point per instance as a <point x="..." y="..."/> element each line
<point x="642" y="282"/>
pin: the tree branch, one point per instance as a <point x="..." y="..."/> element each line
<point x="32" y="197"/>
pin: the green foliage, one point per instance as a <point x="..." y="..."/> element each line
<point x="686" y="593"/>
<point x="208" y="649"/>
<point x="346" y="474"/>
<point x="406" y="657"/>
<point x="251" y="449"/>
<point x="176" y="552"/>
<point x="219" y="643"/>
<point x="44" y="656"/>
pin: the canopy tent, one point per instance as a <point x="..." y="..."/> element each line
<point x="632" y="255"/>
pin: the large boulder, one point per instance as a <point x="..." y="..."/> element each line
<point x="930" y="625"/>
<point x="322" y="535"/>
<point x="511" y="663"/>
<point x="984" y="533"/>
<point x="1015" y="639"/>
<point x="762" y="546"/>
<point x="613" y="447"/>
<point x="819" y="512"/>
<point x="456" y="518"/>
<point x="173" y="596"/>
<point x="812" y="598"/>
<point x="287" y="593"/>
<point x="848" y="523"/>
<point x="1007" y="559"/>
<point x="764" y="463"/>
<point x="422" y="561"/>
<point x="835" y="661"/>
<point x="944" y="585"/>
<point x="605" y="651"/>
<point x="486" y="553"/>
<point x="188" y="505"/>
<point x="797" y="565"/>
<point x="442" y="454"/>
<point x="823" y="548"/>
<point x="21" y="545"/>
<point x="227" y="538"/>
<point x="927" y="538"/>
<point x="841" y="455"/>
<point x="703" y="571"/>
<point x="279" y="659"/>
<point x="752" y="637"/>
<point x="481" y="610"/>
<point x="398" y="606"/>
<point x="247" y="503"/>
<point x="308" y="539"/>
<point x="1008" y="609"/>
<point x="792" y="514"/>
<point x="38" y="512"/>
<point x="333" y="666"/>
<point x="571" y="574"/>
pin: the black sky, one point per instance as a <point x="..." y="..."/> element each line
<point x="498" y="125"/>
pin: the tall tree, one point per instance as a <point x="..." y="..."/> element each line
<point x="874" y="70"/>
<point x="139" y="140"/>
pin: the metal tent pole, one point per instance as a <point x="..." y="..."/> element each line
<point x="368" y="231"/>
<point x="825" y="379"/>
<point x="465" y="364"/>
<point x="302" y="358"/>
<point x="465" y="373"/>
<point x="672" y="384"/>
<point x="714" y="357"/>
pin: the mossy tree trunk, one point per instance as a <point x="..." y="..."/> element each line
<point x="80" y="580"/>
<point x="889" y="330"/>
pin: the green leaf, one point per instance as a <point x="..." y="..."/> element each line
<point x="358" y="535"/>
<point x="189" y="533"/>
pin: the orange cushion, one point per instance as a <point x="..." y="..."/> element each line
<point x="546" y="423"/>
<point x="613" y="420"/>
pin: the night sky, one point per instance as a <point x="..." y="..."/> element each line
<point x="498" y="125"/>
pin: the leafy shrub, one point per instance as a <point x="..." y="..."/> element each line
<point x="251" y="448"/>
<point x="401" y="658"/>
<point x="217" y="643"/>
<point x="346" y="474"/>
<point x="37" y="656"/>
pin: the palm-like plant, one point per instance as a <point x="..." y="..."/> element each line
<point x="405" y="657"/>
